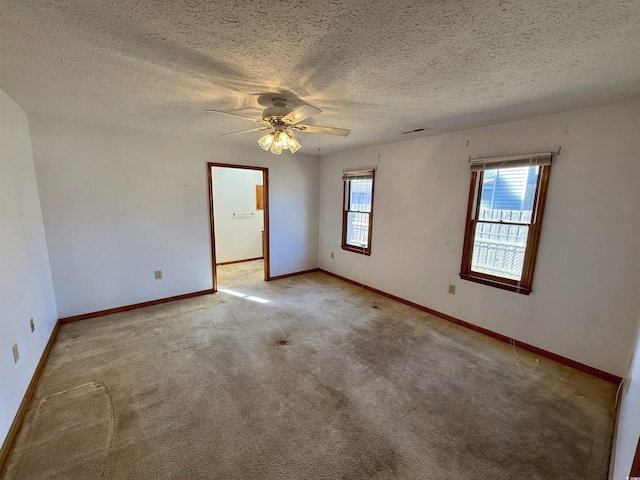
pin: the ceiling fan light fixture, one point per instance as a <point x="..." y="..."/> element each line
<point x="280" y="140"/>
<point x="283" y="120"/>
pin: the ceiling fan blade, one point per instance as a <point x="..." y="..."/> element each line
<point x="235" y="115"/>
<point x="316" y="129"/>
<point x="300" y="114"/>
<point x="247" y="131"/>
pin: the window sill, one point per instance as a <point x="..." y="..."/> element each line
<point x="495" y="283"/>
<point x="361" y="251"/>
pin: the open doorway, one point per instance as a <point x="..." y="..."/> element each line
<point x="239" y="223"/>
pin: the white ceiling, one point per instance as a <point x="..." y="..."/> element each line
<point x="377" y="67"/>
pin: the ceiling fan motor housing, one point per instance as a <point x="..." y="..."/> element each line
<point x="278" y="110"/>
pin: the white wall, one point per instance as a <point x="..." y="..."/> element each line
<point x="584" y="304"/>
<point x="238" y="237"/>
<point x="119" y="204"/>
<point x="628" y="429"/>
<point x="25" y="281"/>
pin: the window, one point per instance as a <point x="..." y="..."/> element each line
<point x="504" y="217"/>
<point x="358" y="211"/>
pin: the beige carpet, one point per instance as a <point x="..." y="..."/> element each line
<point x="325" y="381"/>
<point x="244" y="273"/>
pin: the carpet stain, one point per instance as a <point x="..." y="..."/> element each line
<point x="363" y="451"/>
<point x="338" y="399"/>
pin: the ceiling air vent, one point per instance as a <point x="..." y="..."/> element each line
<point x="421" y="129"/>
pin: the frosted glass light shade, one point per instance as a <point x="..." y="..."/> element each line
<point x="283" y="140"/>
<point x="276" y="148"/>
<point x="266" y="141"/>
<point x="294" y="144"/>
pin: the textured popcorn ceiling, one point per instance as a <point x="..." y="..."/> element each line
<point x="377" y="67"/>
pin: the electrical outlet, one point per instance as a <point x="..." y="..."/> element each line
<point x="452" y="289"/>
<point x="16" y="353"/>
<point x="158" y="274"/>
<point x="32" y="325"/>
<point x="332" y="255"/>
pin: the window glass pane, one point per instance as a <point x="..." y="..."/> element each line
<point x="499" y="249"/>
<point x="358" y="229"/>
<point x="360" y="195"/>
<point x="508" y="194"/>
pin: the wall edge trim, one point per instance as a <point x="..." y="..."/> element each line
<point x="287" y="275"/>
<point x="28" y="395"/>
<point x="126" y="308"/>
<point x="239" y="261"/>
<point x="609" y="377"/>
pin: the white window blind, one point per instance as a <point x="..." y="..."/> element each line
<point x="529" y="160"/>
<point x="358" y="174"/>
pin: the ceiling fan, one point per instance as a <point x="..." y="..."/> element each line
<point x="282" y="121"/>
